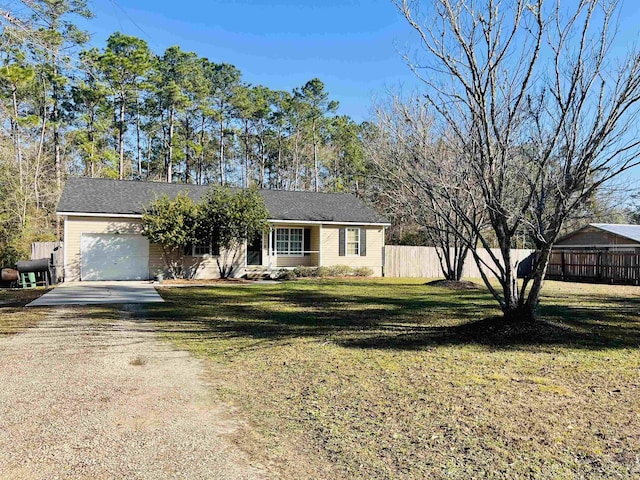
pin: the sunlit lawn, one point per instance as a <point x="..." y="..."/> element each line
<point x="391" y="379"/>
<point x="13" y="316"/>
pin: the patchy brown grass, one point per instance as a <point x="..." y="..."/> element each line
<point x="13" y="316"/>
<point x="396" y="379"/>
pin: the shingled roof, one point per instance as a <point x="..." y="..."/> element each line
<point x="127" y="197"/>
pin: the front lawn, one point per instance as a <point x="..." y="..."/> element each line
<point x="392" y="379"/>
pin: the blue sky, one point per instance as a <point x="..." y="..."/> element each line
<point x="351" y="45"/>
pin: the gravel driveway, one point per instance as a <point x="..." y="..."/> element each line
<point x="89" y="398"/>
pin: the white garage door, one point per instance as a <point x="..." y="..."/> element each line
<point x="114" y="257"/>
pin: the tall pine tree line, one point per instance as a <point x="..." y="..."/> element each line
<point x="124" y="111"/>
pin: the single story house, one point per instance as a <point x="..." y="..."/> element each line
<point x="606" y="237"/>
<point x="103" y="240"/>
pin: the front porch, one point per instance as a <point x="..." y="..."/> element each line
<point x="285" y="246"/>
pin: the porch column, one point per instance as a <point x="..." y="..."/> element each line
<point x="275" y="247"/>
<point x="320" y="245"/>
<point x="270" y="242"/>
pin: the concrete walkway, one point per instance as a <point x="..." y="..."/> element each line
<point x="94" y="394"/>
<point x="98" y="293"/>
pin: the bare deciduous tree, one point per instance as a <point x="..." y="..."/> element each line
<point x="543" y="113"/>
<point x="412" y="167"/>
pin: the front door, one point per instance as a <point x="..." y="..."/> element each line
<point x="254" y="251"/>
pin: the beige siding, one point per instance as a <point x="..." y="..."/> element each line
<point x="375" y="247"/>
<point x="293" y="261"/>
<point x="207" y="265"/>
<point x="75" y="226"/>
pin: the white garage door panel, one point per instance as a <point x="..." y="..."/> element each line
<point x="114" y="257"/>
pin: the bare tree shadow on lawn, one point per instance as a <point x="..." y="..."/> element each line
<point x="403" y="322"/>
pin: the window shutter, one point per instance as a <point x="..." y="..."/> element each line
<point x="307" y="241"/>
<point x="363" y="242"/>
<point x="341" y="242"/>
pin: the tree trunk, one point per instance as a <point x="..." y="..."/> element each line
<point x="121" y="136"/>
<point x="89" y="169"/>
<point x="15" y="133"/>
<point x="187" y="150"/>
<point x="56" y="145"/>
<point x="36" y="176"/>
<point x="169" y="166"/>
<point x="523" y="313"/>
<point x="149" y="143"/>
<point x="222" y="166"/>
<point x="263" y="164"/>
<point x="246" y="154"/>
<point x="138" y="146"/>
<point x="201" y="156"/>
<point x="316" y="167"/>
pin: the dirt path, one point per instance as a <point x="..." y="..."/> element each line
<point x="85" y="398"/>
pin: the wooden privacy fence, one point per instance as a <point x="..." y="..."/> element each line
<point x="45" y="250"/>
<point x="422" y="262"/>
<point x="595" y="266"/>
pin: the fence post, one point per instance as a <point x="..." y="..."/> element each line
<point x="599" y="266"/>
<point x="562" y="264"/>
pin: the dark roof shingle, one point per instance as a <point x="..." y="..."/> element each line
<point x="98" y="195"/>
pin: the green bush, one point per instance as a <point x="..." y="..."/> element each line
<point x="332" y="271"/>
<point x="362" y="272"/>
<point x="302" y="271"/>
<point x="322" y="272"/>
<point x="341" y="271"/>
<point x="284" y="274"/>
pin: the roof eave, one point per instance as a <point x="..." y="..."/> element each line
<point x="99" y="214"/>
<point x="270" y="220"/>
<point x="330" y="222"/>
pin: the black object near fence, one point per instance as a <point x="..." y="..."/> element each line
<point x="36" y="272"/>
<point x="595" y="266"/>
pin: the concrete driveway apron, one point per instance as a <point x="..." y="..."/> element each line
<point x="98" y="293"/>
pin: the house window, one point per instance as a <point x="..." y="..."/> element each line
<point x="353" y="241"/>
<point x="289" y="241"/>
<point x="202" y="249"/>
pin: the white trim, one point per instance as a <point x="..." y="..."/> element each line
<point x="109" y="215"/>
<point x="271" y="220"/>
<point x="64" y="251"/>
<point x="346" y="242"/>
<point x="288" y="253"/>
<point x="203" y="255"/>
<point x="320" y="222"/>
<point x="384" y="251"/>
<point x="270" y="247"/>
<point x="320" y="246"/>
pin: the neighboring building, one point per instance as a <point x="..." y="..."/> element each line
<point x="599" y="252"/>
<point x="103" y="240"/>
<point x="604" y="237"/>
